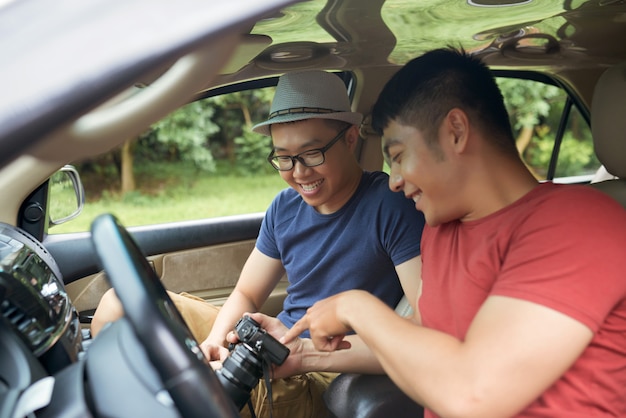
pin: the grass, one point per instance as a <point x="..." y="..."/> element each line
<point x="173" y="192"/>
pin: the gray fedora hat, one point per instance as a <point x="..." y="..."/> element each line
<point x="309" y="95"/>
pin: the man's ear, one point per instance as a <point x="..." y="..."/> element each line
<point x="457" y="124"/>
<point x="352" y="137"/>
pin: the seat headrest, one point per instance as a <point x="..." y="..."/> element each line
<point x="608" y="120"/>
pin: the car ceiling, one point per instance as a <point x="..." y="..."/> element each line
<point x="364" y="34"/>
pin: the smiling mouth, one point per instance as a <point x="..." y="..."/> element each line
<point x="415" y="197"/>
<point x="311" y="186"/>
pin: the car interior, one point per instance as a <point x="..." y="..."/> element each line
<point x="79" y="80"/>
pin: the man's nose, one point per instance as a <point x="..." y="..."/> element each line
<point x="299" y="167"/>
<point x="395" y="182"/>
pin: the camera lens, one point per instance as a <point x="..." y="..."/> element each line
<point x="242" y="369"/>
<point x="240" y="373"/>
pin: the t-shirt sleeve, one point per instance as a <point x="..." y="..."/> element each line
<point x="266" y="242"/>
<point x="569" y="259"/>
<point x="401" y="227"/>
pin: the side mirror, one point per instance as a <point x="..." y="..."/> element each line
<point x="67" y="195"/>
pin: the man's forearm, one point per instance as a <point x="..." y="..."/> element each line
<point x="234" y="307"/>
<point x="357" y="359"/>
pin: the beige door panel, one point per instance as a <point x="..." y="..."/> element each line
<point x="210" y="273"/>
<point x="201" y="269"/>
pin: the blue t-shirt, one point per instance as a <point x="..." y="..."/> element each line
<point x="356" y="247"/>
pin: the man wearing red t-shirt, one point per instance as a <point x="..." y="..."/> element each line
<point x="521" y="308"/>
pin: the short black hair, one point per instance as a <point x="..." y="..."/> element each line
<point x="422" y="93"/>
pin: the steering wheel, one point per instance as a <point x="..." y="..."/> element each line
<point x="160" y="328"/>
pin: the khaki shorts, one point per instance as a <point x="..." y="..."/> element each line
<point x="199" y="315"/>
<point x="295" y="397"/>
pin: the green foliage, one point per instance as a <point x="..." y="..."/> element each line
<point x="237" y="112"/>
<point x="251" y="152"/>
<point x="575" y="157"/>
<point x="539" y="106"/>
<point x="211" y="129"/>
<point x="187" y="130"/>
<point x="528" y="102"/>
<point x="201" y="133"/>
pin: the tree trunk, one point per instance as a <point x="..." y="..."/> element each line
<point x="522" y="141"/>
<point x="128" y="177"/>
<point x="246" y="115"/>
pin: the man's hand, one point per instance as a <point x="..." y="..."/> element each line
<point x="327" y="321"/>
<point x="214" y="352"/>
<point x="293" y="363"/>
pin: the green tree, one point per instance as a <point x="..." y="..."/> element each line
<point x="187" y="131"/>
<point x="529" y="104"/>
<point x="183" y="135"/>
<point x="201" y="133"/>
<point x="236" y="113"/>
<point x="536" y="110"/>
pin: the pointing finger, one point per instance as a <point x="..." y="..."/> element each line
<point x="297" y="329"/>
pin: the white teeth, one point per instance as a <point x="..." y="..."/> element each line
<point x="310" y="187"/>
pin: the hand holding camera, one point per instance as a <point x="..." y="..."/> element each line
<point x="249" y="360"/>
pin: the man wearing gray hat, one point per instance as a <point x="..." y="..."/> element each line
<point x="337" y="227"/>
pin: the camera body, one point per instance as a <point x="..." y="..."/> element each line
<point x="256" y="351"/>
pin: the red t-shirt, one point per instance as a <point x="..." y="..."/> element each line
<point x="560" y="246"/>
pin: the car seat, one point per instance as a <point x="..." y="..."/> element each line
<point x="608" y="126"/>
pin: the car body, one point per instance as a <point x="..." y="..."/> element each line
<point x="68" y="80"/>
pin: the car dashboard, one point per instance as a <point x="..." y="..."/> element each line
<point x="39" y="326"/>
<point x="34" y="303"/>
<point x="49" y="365"/>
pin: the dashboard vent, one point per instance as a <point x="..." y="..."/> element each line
<point x="25" y="324"/>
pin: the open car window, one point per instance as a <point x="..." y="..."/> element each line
<point x="552" y="135"/>
<point x="201" y="161"/>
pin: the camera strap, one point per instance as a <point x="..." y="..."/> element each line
<point x="251" y="408"/>
<point x="267" y="370"/>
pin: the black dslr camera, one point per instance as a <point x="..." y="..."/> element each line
<point x="248" y="359"/>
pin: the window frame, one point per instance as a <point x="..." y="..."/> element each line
<point x="572" y="100"/>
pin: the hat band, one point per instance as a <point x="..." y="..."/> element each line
<point x="297" y="110"/>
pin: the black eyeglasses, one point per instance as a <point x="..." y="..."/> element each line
<point x="310" y="158"/>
